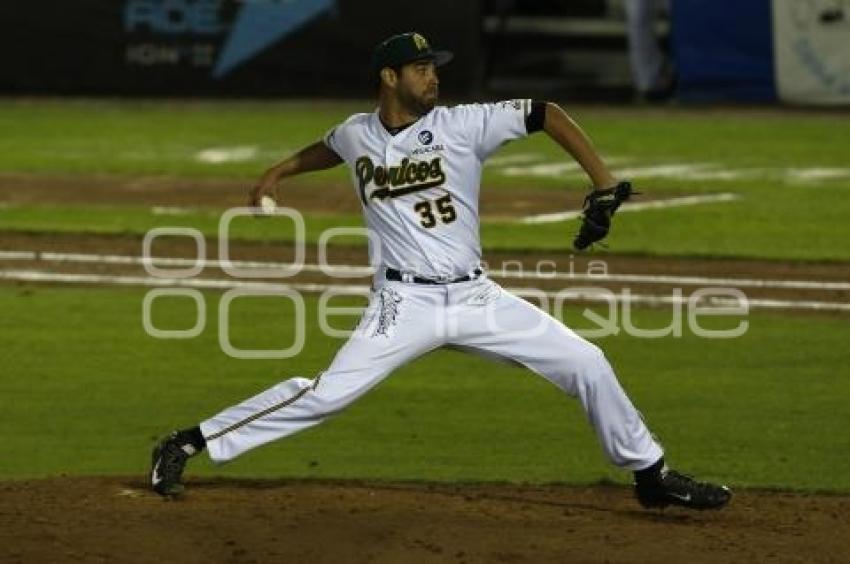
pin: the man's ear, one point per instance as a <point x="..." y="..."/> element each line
<point x="389" y="77"/>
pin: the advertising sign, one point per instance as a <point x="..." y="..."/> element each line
<point x="812" y="46"/>
<point x="220" y="47"/>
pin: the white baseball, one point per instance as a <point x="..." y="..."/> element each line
<point x="267" y="204"/>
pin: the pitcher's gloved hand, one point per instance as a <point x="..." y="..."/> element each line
<point x="599" y="206"/>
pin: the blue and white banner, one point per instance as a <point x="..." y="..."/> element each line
<point x="812" y="50"/>
<point x="216" y="34"/>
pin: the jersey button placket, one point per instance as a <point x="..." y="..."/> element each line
<point x="389" y="157"/>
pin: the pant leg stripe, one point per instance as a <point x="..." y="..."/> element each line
<point x="259" y="414"/>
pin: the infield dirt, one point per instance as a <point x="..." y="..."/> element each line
<point x="118" y="520"/>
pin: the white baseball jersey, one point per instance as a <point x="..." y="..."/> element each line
<point x="419" y="188"/>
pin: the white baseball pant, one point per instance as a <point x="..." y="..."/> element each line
<point x="405" y="320"/>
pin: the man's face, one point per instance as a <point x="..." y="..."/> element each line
<point x="418" y="87"/>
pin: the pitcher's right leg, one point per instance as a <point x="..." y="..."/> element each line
<point x="395" y="328"/>
<point x="398" y="325"/>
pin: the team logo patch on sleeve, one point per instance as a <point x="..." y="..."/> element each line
<point x="516" y="105"/>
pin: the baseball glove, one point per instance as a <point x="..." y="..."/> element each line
<point x="599" y="206"/>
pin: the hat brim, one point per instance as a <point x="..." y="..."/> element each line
<point x="440" y="58"/>
<point x="443" y="57"/>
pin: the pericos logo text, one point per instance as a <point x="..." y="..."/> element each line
<point x="398" y="180"/>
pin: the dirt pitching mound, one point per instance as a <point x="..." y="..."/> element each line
<point x="119" y="520"/>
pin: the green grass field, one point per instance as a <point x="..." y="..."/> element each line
<point x="776" y="216"/>
<point x="89" y="395"/>
<point x="86" y="391"/>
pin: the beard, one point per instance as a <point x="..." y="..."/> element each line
<point x="418" y="105"/>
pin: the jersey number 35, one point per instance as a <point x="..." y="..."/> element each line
<point x="445" y="209"/>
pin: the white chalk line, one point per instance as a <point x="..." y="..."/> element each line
<point x="219" y="155"/>
<point x="172" y="210"/>
<point x="575" y="295"/>
<point x="353" y="270"/>
<point x="525" y="164"/>
<point x="638" y="206"/>
<point x="201" y="283"/>
<point x="238" y="153"/>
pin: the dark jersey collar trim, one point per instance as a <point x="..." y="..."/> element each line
<point x="395" y="130"/>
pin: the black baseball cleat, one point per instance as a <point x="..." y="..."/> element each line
<point x="668" y="487"/>
<point x="168" y="462"/>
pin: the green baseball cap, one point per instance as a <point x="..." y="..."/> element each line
<point x="405" y="48"/>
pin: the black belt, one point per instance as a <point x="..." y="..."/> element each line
<point x="395" y="275"/>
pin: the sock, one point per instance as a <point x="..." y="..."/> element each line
<point x="196" y="441"/>
<point x="651" y="474"/>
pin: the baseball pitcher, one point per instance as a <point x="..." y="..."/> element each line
<point x="416" y="170"/>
